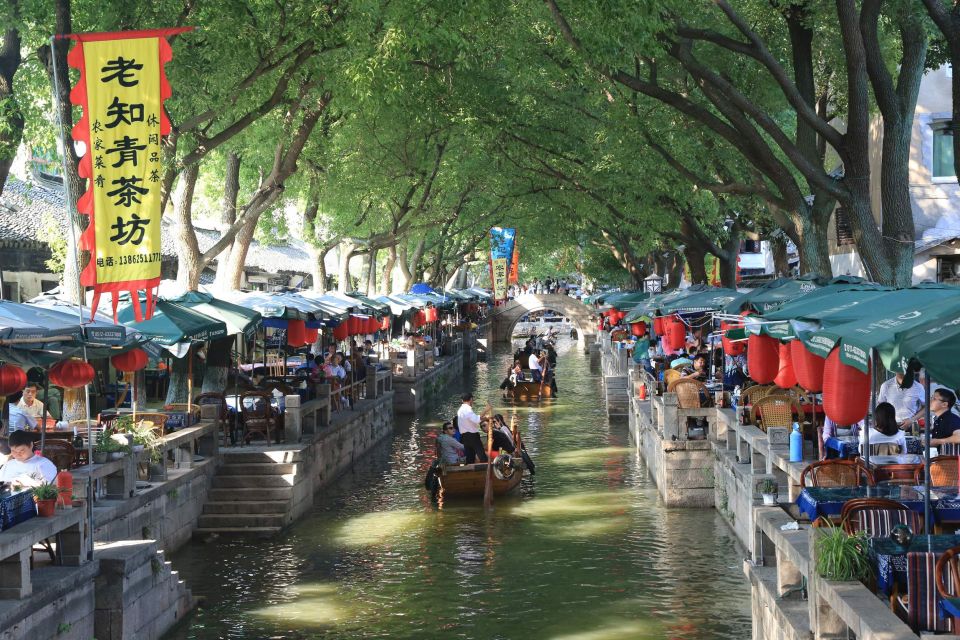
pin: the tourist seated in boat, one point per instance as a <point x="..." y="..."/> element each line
<point x="469" y="425"/>
<point x="502" y="437"/>
<point x="536" y="366"/>
<point x="24" y="468"/>
<point x="451" y="451"/>
<point x="885" y="431"/>
<point x="514" y="375"/>
<point x="551" y="354"/>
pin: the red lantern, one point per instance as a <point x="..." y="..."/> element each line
<point x="12" y="379"/>
<point x="763" y="358"/>
<point x="355" y="325"/>
<point x="731" y="347"/>
<point x="385" y="323"/>
<point x="786" y="378"/>
<point x="71" y="374"/>
<point x="296" y="333"/>
<point x="808" y="366"/>
<point x="421" y="318"/>
<point x="658" y="326"/>
<point x="638" y="329"/>
<point x="132" y="360"/>
<point x="341" y="331"/>
<point x="676" y="334"/>
<point x="310" y="335"/>
<point x="846" y="391"/>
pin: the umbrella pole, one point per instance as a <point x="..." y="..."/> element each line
<point x="926" y="453"/>
<point x="189" y="386"/>
<point x="43" y="416"/>
<point x="86" y="393"/>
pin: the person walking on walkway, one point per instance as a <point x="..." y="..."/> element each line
<point x="469" y="424"/>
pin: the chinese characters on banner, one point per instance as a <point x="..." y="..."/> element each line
<point x="514" y="276"/>
<point x="501" y="252"/>
<point x="121" y="89"/>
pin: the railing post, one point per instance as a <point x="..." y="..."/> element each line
<point x="670" y="427"/>
<point x="292" y="419"/>
<point x="372" y="391"/>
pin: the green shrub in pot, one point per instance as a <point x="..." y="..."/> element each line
<point x="840" y="556"/>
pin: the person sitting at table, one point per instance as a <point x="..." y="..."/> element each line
<point x="697" y="370"/>
<point x="946" y="424"/>
<point x="17" y="418"/>
<point x="29" y="403"/>
<point x="24" y="468"/>
<point x="906" y="396"/>
<point x="885" y="429"/>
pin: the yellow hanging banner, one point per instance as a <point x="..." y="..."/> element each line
<point x="121" y="89"/>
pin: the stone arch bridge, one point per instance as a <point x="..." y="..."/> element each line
<point x="504" y="318"/>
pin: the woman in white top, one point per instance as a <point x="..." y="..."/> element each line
<point x="885" y="429"/>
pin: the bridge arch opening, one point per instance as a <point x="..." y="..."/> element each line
<point x="506" y="317"/>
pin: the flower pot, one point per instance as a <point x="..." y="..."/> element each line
<point x="46" y="508"/>
<point x="137" y="448"/>
<point x="117" y="455"/>
<point x="769" y="499"/>
<point x="99" y="457"/>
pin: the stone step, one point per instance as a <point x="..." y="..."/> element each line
<point x="253" y="482"/>
<point x="231" y="457"/>
<point x="257" y="469"/>
<point x="245" y="495"/>
<point x="239" y="520"/>
<point x="206" y="533"/>
<point x="251" y="507"/>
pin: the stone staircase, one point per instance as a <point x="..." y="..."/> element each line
<point x="252" y="493"/>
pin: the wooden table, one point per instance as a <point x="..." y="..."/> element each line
<point x="897" y="469"/>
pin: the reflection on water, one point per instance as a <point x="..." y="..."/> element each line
<point x="582" y="551"/>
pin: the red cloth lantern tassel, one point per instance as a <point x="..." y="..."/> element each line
<point x="12" y="379"/>
<point x="71" y="374"/>
<point x="132" y="360"/>
<point x="763" y="358"/>
<point x="846" y="391"/>
<point x="310" y="335"/>
<point x="638" y="329"/>
<point x="341" y="331"/>
<point x="385" y="323"/>
<point x="808" y="366"/>
<point x="676" y="334"/>
<point x="296" y="333"/>
<point x="786" y="378"/>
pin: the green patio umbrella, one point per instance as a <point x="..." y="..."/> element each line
<point x="712" y="299"/>
<point x="882" y="324"/>
<point x="236" y="318"/>
<point x="775" y="293"/>
<point x="837" y="303"/>
<point x="626" y="300"/>
<point x="172" y="325"/>
<point x="649" y="307"/>
<point x="936" y="344"/>
<point x="380" y="308"/>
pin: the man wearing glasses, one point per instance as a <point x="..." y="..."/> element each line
<point x="946" y="424"/>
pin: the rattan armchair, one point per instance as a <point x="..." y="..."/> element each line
<point x="837" y="473"/>
<point x="257" y="415"/>
<point x="943" y="472"/>
<point x="773" y="410"/>
<point x="752" y="394"/>
<point x="670" y="376"/>
<point x="60" y="452"/>
<point x="688" y="392"/>
<point x="877" y="517"/>
<point x="947" y="575"/>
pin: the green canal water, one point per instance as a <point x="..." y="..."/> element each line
<point x="583" y="551"/>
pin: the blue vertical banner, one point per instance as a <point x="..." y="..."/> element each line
<point x="501" y="252"/>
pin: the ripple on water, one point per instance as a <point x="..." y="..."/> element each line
<point x="584" y="551"/>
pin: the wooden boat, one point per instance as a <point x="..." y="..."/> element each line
<point x="527" y="391"/>
<point x="469" y="480"/>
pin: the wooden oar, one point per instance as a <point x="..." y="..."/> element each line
<point x="488" y="484"/>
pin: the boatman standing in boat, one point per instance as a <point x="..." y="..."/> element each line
<point x="469" y="425"/>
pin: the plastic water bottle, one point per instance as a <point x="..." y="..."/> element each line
<point x="796" y="444"/>
<point x="735" y="401"/>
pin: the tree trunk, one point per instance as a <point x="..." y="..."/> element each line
<point x="386" y="281"/>
<point x="177" y="391"/>
<point x="344" y="278"/>
<point x="228" y="214"/>
<point x="319" y="268"/>
<point x="189" y="263"/>
<point x="695" y="255"/>
<point x="11" y="118"/>
<point x="372" y="272"/>
<point x="778" y="247"/>
<point x="813" y="248"/>
<point x="218" y="365"/>
<point x="238" y="257"/>
<point x="728" y="258"/>
<point x="405" y="278"/>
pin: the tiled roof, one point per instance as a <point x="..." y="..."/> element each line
<point x="25" y="208"/>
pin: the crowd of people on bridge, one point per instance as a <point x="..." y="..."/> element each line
<point x="549" y="285"/>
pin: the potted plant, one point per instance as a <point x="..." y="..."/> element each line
<point x="146" y="438"/>
<point x="840" y="556"/>
<point x="100" y="453"/>
<point x="768" y="489"/>
<point x="113" y="449"/>
<point x="45" y="495"/>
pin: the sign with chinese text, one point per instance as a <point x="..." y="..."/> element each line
<point x="501" y="252"/>
<point x="121" y="89"/>
<point x="514" y="276"/>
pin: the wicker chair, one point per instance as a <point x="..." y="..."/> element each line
<point x="837" y="473"/>
<point x="773" y="410"/>
<point x="159" y="421"/>
<point x="60" y="452"/>
<point x="947" y="575"/>
<point x="670" y="376"/>
<point x="943" y="472"/>
<point x="877" y="517"/>
<point x="256" y="415"/>
<point x="688" y="392"/>
<point x="213" y="406"/>
<point x="752" y="394"/>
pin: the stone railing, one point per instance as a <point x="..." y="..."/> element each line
<point x="66" y="527"/>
